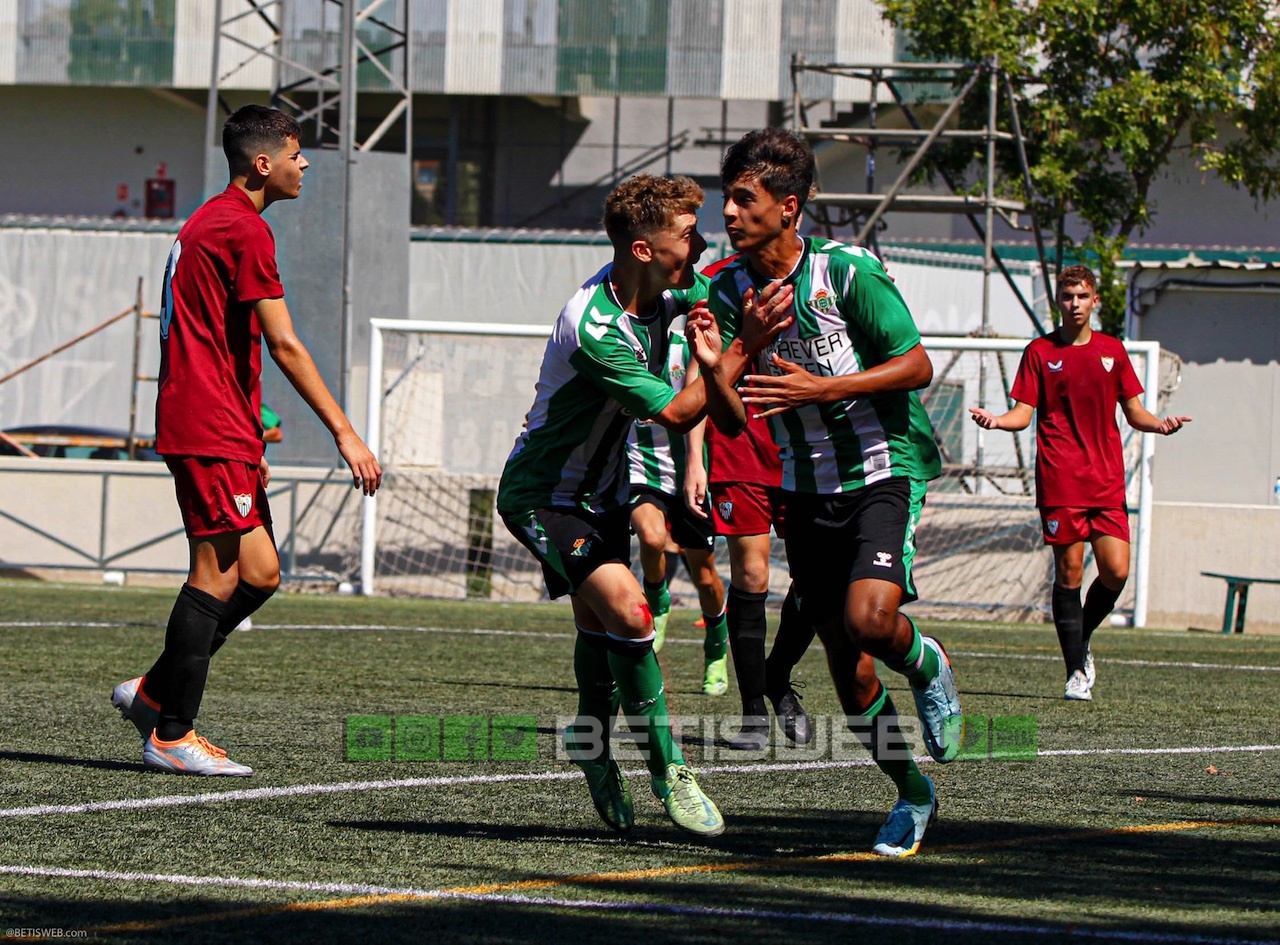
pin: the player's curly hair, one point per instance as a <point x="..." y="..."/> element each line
<point x="1078" y="275"/>
<point x="638" y="208"/>
<point x="254" y="130"/>
<point x="779" y="159"/>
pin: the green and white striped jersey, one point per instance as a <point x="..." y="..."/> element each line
<point x="849" y="317"/>
<point x="656" y="456"/>
<point x="602" y="370"/>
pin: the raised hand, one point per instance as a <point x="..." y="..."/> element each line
<point x="766" y="316"/>
<point x="704" y="335"/>
<point x="794" y="387"/>
<point x="983" y="417"/>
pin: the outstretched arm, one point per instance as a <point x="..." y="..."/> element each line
<point x="1019" y="418"/>
<point x="288" y="351"/>
<point x="1144" y="421"/>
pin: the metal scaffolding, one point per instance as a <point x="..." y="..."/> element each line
<point x="321" y="92"/>
<point x="868" y="208"/>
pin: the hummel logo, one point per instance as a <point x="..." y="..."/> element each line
<point x="883" y="560"/>
<point x="1108" y="364"/>
<point x="597" y="331"/>
<point x="1055" y="367"/>
<point x="602" y="318"/>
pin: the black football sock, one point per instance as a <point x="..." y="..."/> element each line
<point x="1067" y="620"/>
<point x="245" y="600"/>
<point x="747" y="631"/>
<point x="789" y="645"/>
<point x="178" y="677"/>
<point x="1099" y="602"/>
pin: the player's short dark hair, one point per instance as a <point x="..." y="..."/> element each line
<point x="254" y="130"/>
<point x="1078" y="275"/>
<point x="638" y="208"/>
<point x="780" y="160"/>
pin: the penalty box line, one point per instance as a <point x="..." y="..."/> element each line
<point x="362" y="895"/>
<point x="345" y="787"/>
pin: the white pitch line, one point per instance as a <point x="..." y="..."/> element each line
<point x="231" y="882"/>
<point x="544" y="635"/>
<point x="842" y="918"/>
<point x="347" y="787"/>
<point x="1114" y="662"/>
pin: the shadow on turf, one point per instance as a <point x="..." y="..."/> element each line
<point x="1271" y="802"/>
<point x="977" y="869"/>
<point x="101" y="764"/>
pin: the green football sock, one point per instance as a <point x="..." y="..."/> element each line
<point x="877" y="729"/>
<point x="658" y="597"/>
<point x="640" y="682"/>
<point x="920" y="664"/>
<point x="587" y="739"/>
<point x="716" y="642"/>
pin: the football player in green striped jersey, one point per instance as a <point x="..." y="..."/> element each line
<point x="838" y="385"/>
<point x="563" y="491"/>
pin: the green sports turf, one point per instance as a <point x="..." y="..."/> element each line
<point x="1128" y="847"/>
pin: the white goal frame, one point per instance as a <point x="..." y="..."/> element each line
<point x="1150" y="350"/>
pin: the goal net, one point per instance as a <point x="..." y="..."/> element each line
<point x="447" y="401"/>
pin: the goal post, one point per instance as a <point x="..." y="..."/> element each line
<point x="447" y="400"/>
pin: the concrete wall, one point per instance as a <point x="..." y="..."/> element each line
<point x="100" y="515"/>
<point x="1225" y="326"/>
<point x="1229" y="539"/>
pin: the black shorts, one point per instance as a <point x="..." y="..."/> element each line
<point x="834" y="540"/>
<point x="571" y="543"/>
<point x="687" y="530"/>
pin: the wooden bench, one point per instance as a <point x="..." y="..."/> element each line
<point x="1237" y="583"/>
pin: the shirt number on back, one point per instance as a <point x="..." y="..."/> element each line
<point x="166" y="302"/>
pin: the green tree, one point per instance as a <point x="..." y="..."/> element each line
<point x="1108" y="92"/>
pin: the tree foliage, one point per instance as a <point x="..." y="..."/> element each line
<point x="1108" y="92"/>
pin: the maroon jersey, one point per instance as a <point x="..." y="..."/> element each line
<point x="1075" y="390"/>
<point x="210" y="398"/>
<point x="751" y="456"/>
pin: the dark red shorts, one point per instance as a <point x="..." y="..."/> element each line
<point x="1066" y="525"/>
<point x="217" y="496"/>
<point x="746" y="508"/>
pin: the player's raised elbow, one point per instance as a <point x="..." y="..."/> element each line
<point x="920" y="368"/>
